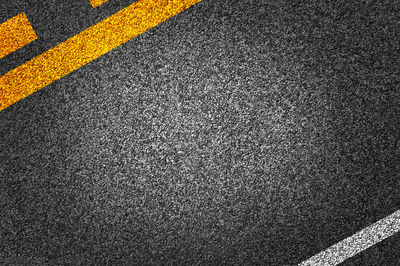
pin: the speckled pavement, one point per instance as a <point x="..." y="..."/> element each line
<point x="237" y="132"/>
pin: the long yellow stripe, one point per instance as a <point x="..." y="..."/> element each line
<point x="96" y="3"/>
<point x="15" y="33"/>
<point x="85" y="47"/>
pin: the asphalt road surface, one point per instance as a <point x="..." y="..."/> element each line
<point x="237" y="132"/>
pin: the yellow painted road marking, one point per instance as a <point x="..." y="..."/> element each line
<point x="96" y="3"/>
<point x="85" y="47"/>
<point x="15" y="33"/>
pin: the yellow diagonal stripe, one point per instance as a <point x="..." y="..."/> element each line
<point x="96" y="3"/>
<point x="15" y="33"/>
<point x="86" y="46"/>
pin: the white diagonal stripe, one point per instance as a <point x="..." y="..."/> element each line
<point x="358" y="242"/>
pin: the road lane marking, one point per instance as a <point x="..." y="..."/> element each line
<point x="15" y="33"/>
<point x="358" y="242"/>
<point x="86" y="46"/>
<point x="96" y="3"/>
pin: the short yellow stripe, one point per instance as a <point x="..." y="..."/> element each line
<point x="15" y="33"/>
<point x="96" y="3"/>
<point x="85" y="47"/>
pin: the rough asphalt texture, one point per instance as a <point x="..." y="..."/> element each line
<point x="237" y="132"/>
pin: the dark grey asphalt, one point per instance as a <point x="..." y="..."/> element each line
<point x="238" y="132"/>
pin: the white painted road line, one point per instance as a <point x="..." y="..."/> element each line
<point x="358" y="242"/>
